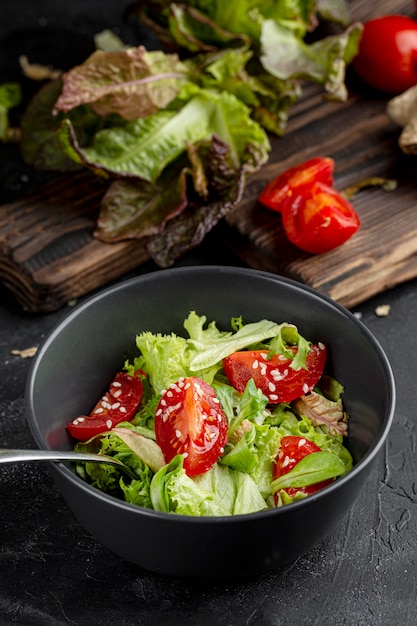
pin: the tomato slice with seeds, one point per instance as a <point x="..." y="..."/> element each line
<point x="282" y="188"/>
<point x="119" y="404"/>
<point x="275" y="377"/>
<point x="189" y="420"/>
<point x="292" y="450"/>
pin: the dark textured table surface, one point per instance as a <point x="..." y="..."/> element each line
<point x="53" y="572"/>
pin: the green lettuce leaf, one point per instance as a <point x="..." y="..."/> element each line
<point x="286" y="56"/>
<point x="218" y="492"/>
<point x="254" y="454"/>
<point x="144" y="147"/>
<point x="108" y="478"/>
<point x="166" y="358"/>
<point x="313" y="468"/>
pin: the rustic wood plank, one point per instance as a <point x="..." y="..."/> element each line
<point x="48" y="254"/>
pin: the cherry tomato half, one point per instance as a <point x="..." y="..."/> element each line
<point x="274" y="377"/>
<point x="281" y="188"/>
<point x="292" y="450"/>
<point x="319" y="219"/>
<point x="119" y="404"/>
<point x="189" y="420"/>
<point x="387" y="56"/>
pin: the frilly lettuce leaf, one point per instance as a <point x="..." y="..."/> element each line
<point x="132" y="83"/>
<point x="220" y="491"/>
<point x="144" y="147"/>
<point x="166" y="358"/>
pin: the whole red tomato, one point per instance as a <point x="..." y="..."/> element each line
<point x="387" y="57"/>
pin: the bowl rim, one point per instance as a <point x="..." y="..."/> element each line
<point x="64" y="470"/>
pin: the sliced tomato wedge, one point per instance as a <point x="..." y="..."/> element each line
<point x="275" y="377"/>
<point x="282" y="188"/>
<point x="189" y="420"/>
<point x="292" y="450"/>
<point x="119" y="404"/>
<point x="318" y="218"/>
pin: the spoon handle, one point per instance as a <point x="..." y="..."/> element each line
<point x="15" y="456"/>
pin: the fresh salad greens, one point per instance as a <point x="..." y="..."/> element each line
<point x="242" y="478"/>
<point x="176" y="133"/>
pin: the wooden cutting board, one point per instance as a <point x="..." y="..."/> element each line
<point x="48" y="255"/>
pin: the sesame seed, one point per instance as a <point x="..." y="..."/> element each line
<point x="216" y="400"/>
<point x="255" y="364"/>
<point x="116" y="405"/>
<point x="271" y="386"/>
<point x="301" y="442"/>
<point x="212" y="435"/>
<point x="273" y="396"/>
<point x="99" y="410"/>
<point x="170" y="394"/>
<point x="185" y="454"/>
<point x="178" y="434"/>
<point x="163" y="402"/>
<point x="158" y="413"/>
<point x="117" y="393"/>
<point x="187" y="386"/>
<point x="306" y="388"/>
<point x="122" y="409"/>
<point x="282" y="357"/>
<point x="116" y="384"/>
<point x="321" y="345"/>
<point x="109" y="424"/>
<point x="286" y="461"/>
<point x="198" y="389"/>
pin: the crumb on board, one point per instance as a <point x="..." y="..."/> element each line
<point x="26" y="353"/>
<point x="383" y="310"/>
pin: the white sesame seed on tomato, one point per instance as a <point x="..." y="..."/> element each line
<point x="306" y="388"/>
<point x="273" y="396"/>
<point x="109" y="424"/>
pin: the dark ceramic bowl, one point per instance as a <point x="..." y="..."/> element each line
<point x="79" y="357"/>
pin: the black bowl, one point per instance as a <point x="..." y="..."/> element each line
<point x="78" y="358"/>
